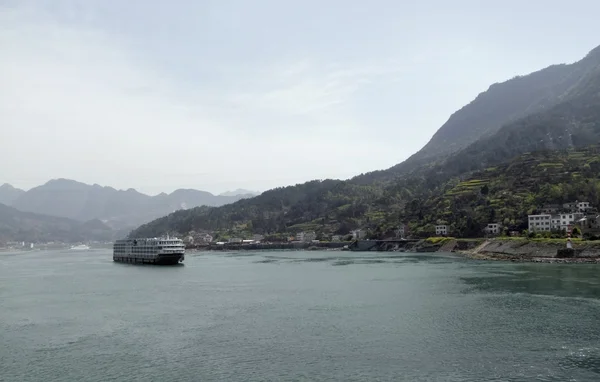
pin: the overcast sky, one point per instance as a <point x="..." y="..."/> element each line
<point x="217" y="95"/>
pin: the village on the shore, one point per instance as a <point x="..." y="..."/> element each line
<point x="573" y="219"/>
<point x="578" y="218"/>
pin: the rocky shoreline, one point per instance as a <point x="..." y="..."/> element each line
<point x="510" y="249"/>
<point x="513" y="249"/>
<point x="532" y="251"/>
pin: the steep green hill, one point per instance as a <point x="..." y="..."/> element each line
<point x="505" y="193"/>
<point x="329" y="205"/>
<point x="509" y="192"/>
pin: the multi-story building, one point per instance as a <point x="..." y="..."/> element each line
<point x="358" y="234"/>
<point x="583" y="206"/>
<point x="577" y="206"/>
<point x="441" y="230"/>
<point x="402" y="231"/>
<point x="590" y="224"/>
<point x="493" y="228"/>
<point x="569" y="219"/>
<point x="548" y="222"/>
<point x="550" y="208"/>
<point x="310" y="236"/>
<point x="541" y="222"/>
<point x="306" y="236"/>
<point x="555" y="222"/>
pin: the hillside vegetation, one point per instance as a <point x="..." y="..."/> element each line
<point x="509" y="192"/>
<point x="557" y="122"/>
<point x="505" y="193"/>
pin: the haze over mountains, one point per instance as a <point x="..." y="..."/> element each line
<point x="239" y="191"/>
<point x="104" y="210"/>
<point x="555" y="108"/>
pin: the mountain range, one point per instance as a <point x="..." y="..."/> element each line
<point x="17" y="225"/>
<point x="556" y="108"/>
<point x="82" y="205"/>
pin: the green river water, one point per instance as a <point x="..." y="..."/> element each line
<point x="296" y="316"/>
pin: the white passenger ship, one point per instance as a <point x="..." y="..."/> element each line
<point x="160" y="251"/>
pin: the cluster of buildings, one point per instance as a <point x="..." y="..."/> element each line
<point x="256" y="238"/>
<point x="555" y="217"/>
<point x="204" y="238"/>
<point x="307" y="237"/>
<point x="550" y="218"/>
<point x="490" y="229"/>
<point x="198" y="238"/>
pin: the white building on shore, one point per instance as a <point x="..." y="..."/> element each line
<point x="558" y="222"/>
<point x="441" y="230"/>
<point x="540" y="223"/>
<point x="493" y="229"/>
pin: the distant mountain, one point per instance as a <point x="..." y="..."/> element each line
<point x="8" y="194"/>
<point x="240" y="191"/>
<point x="16" y="225"/>
<point x="116" y="208"/>
<point x="500" y="105"/>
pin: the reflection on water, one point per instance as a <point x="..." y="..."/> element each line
<point x="288" y="316"/>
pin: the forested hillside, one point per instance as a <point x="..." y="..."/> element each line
<point x="509" y="192"/>
<point x="504" y="193"/>
<point x="418" y="194"/>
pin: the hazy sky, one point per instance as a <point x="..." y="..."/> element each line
<point x="216" y="95"/>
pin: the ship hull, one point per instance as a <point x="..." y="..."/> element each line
<point x="159" y="260"/>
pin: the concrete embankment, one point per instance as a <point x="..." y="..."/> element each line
<point x="270" y="246"/>
<point x="534" y="251"/>
<point x="514" y="249"/>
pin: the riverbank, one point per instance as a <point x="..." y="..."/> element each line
<point x="501" y="249"/>
<point x="524" y="250"/>
<point x="498" y="249"/>
<point x="271" y="246"/>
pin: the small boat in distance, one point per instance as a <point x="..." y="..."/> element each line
<point x="80" y="247"/>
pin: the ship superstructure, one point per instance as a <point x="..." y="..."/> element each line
<point x="160" y="251"/>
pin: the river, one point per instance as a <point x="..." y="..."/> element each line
<point x="296" y="316"/>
